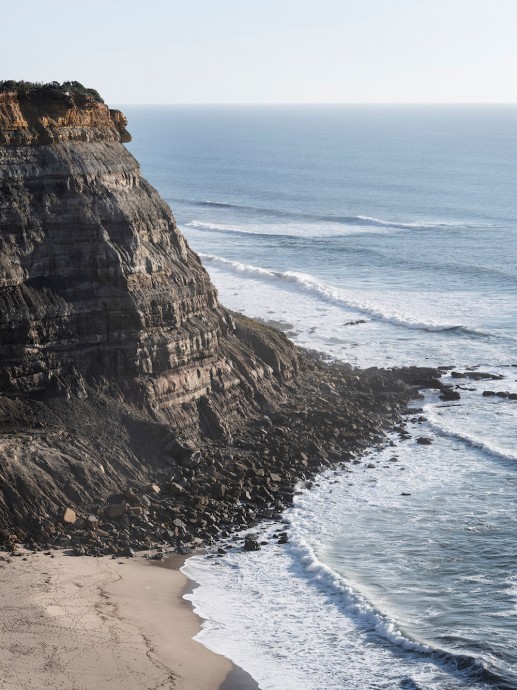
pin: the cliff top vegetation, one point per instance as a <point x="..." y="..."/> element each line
<point x="52" y="89"/>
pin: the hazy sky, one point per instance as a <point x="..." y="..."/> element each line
<point x="267" y="51"/>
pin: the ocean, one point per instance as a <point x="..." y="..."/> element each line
<point x="381" y="236"/>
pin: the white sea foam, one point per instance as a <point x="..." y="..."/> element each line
<point x="292" y="229"/>
<point x="441" y="426"/>
<point x="293" y="626"/>
<point x="414" y="225"/>
<point x="309" y="284"/>
<point x="353" y="220"/>
<point x="219" y="227"/>
<point x="351" y="601"/>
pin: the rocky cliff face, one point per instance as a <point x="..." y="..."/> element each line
<point x="118" y="365"/>
<point x="95" y="278"/>
<point x="99" y="290"/>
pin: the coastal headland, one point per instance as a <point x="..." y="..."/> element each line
<point x="136" y="412"/>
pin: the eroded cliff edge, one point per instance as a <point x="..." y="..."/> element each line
<point x="118" y="365"/>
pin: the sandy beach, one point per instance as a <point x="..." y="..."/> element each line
<point x="80" y="623"/>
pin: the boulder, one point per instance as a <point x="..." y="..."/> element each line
<point x="251" y="543"/>
<point x="449" y="394"/>
<point x="69" y="517"/>
<point x="116" y="510"/>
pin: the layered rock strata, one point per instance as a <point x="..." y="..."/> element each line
<point x="118" y="365"/>
<point x="95" y="278"/>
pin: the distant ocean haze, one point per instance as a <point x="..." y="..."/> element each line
<point x="381" y="236"/>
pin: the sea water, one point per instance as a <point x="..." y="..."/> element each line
<point x="378" y="235"/>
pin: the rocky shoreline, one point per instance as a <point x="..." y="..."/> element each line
<point x="207" y="489"/>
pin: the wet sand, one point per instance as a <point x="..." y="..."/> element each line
<point x="88" y="623"/>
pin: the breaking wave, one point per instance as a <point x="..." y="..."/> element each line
<point x="361" y="220"/>
<point x="306" y="283"/>
<point x="372" y="620"/>
<point x="443" y="428"/>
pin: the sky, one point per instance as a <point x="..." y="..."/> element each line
<point x="267" y="51"/>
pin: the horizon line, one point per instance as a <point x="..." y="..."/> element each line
<point x="327" y="103"/>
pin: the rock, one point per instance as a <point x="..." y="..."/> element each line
<point x="181" y="448"/>
<point x="131" y="497"/>
<point x="91" y="521"/>
<point x="424" y="440"/>
<point x="251" y="543"/>
<point x="158" y="556"/>
<point x="180" y="524"/>
<point x="219" y="490"/>
<point x="156" y="489"/>
<point x="128" y="552"/>
<point x="192" y="460"/>
<point x="483" y="375"/>
<point x="116" y="510"/>
<point x="489" y="394"/>
<point x="449" y="394"/>
<point x="69" y="517"/>
<point x="175" y="489"/>
<point x="283" y="538"/>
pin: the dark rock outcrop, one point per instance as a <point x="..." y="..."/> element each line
<point x="118" y="365"/>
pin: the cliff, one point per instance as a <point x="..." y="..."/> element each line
<point x="118" y="365"/>
<point x="95" y="278"/>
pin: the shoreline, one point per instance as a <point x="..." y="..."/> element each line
<point x="237" y="678"/>
<point x="75" y="621"/>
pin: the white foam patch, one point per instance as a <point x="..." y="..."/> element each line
<point x="488" y="424"/>
<point x="309" y="284"/>
<point x="420" y="225"/>
<point x="438" y="424"/>
<point x="285" y="622"/>
<point x="292" y="229"/>
<point x="328" y="326"/>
